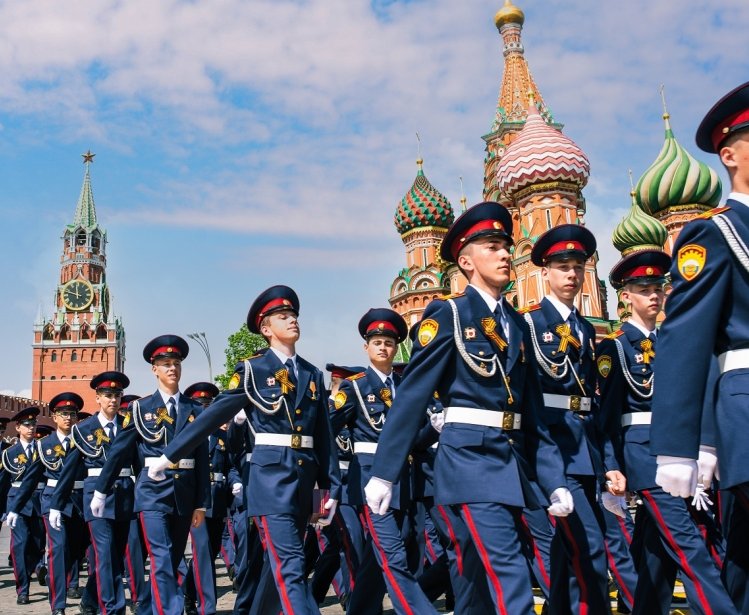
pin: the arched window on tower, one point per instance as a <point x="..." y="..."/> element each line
<point x="65" y="332"/>
<point x="49" y="333"/>
<point x="101" y="332"/>
<point x="53" y="357"/>
<point x="96" y="242"/>
<point x="74" y="355"/>
<point x="104" y="354"/>
<point x="80" y="238"/>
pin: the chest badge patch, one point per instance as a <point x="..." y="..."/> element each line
<point x="371" y="398"/>
<point x="469" y="333"/>
<point x="638" y="358"/>
<point x="604" y="365"/>
<point x="427" y="331"/>
<point x="691" y="261"/>
<point x="271" y="381"/>
<point x="547" y="337"/>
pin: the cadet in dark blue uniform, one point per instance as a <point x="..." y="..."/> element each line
<point x="363" y="403"/>
<point x="92" y="440"/>
<point x="563" y="343"/>
<point x="26" y="526"/>
<point x="293" y="448"/>
<point x="166" y="509"/>
<point x="476" y="352"/>
<point x="708" y="314"/>
<point x="200" y="582"/>
<point x="669" y="538"/>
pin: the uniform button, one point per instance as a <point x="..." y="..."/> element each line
<point x="481" y="352"/>
<point x="176" y="476"/>
<point x="511" y="441"/>
<point x="299" y="428"/>
<point x="300" y="462"/>
<point x="298" y="411"/>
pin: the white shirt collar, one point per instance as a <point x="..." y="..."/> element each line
<point x="563" y="310"/>
<point x="642" y="329"/>
<point x="61" y="436"/>
<point x="24" y="443"/>
<point x="740" y="197"/>
<point x="382" y="376"/>
<point x="491" y="302"/>
<point x="103" y="420"/>
<point x="165" y="396"/>
<point x="283" y="358"/>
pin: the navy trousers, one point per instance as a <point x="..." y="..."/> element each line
<point x="109" y="541"/>
<point x="539" y="534"/>
<point x="65" y="547"/>
<point x="200" y="583"/>
<point x="165" y="536"/>
<point x="26" y="549"/>
<point x="618" y="537"/>
<point x="248" y="561"/>
<point x="735" y="512"/>
<point x="135" y="564"/>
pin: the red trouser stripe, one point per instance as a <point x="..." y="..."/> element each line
<point x="154" y="585"/>
<point x="682" y="556"/>
<point x="619" y="581"/>
<point x="493" y="578"/>
<point x="385" y="565"/>
<point x="130" y="574"/>
<point x="51" y="566"/>
<point x="280" y="583"/>
<point x="625" y="530"/>
<point x="453" y="540"/>
<point x="429" y="546"/>
<point x="347" y="548"/>
<point x="98" y="570"/>
<point x="196" y="575"/>
<point x="576" y="565"/>
<point x="536" y="552"/>
<point x="13" y="560"/>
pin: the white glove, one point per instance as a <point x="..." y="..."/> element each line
<point x="98" y="501"/>
<point x="614" y="503"/>
<point x="236" y="490"/>
<point x="438" y="421"/>
<point x="55" y="519"/>
<point x="707" y="465"/>
<point x="676" y="475"/>
<point x="701" y="501"/>
<point x="330" y="506"/>
<point x="156" y="470"/>
<point x="561" y="502"/>
<point x="11" y="519"/>
<point x="378" y="493"/>
<point x="240" y="417"/>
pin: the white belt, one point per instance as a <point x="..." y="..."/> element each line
<point x="282" y="439"/>
<point x="487" y="418"/>
<point x="124" y="472"/>
<point x="17" y="484"/>
<point x="248" y="457"/>
<point x="217" y="477"/>
<point x="733" y="359"/>
<point x="636" y="418"/>
<point x="567" y="402"/>
<point x="343" y="465"/>
<point x="365" y="447"/>
<point x="182" y="464"/>
<point x="52" y="482"/>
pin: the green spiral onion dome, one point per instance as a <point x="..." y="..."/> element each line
<point x="638" y="231"/>
<point x="422" y="206"/>
<point x="676" y="178"/>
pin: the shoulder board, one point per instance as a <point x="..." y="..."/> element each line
<point x="529" y="308"/>
<point x="356" y="376"/>
<point x="452" y="296"/>
<point x="254" y="356"/>
<point x="713" y="212"/>
<point x="614" y="335"/>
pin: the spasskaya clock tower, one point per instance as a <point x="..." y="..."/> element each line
<point x="83" y="337"/>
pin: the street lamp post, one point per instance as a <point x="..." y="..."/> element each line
<point x="202" y="341"/>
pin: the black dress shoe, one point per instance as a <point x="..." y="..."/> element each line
<point x="190" y="608"/>
<point x="74" y="593"/>
<point x="58" y="612"/>
<point x="22" y="599"/>
<point x="87" y="609"/>
<point x="134" y="608"/>
<point x="41" y="575"/>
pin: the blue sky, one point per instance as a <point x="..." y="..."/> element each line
<point x="242" y="144"/>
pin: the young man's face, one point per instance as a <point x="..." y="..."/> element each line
<point x="26" y="430"/>
<point x="646" y="299"/>
<point x="380" y="349"/>
<point x="486" y="262"/>
<point x="736" y="159"/>
<point x="168" y="372"/>
<point x="108" y="401"/>
<point x="64" y="419"/>
<point x="565" y="277"/>
<point x="282" y="326"/>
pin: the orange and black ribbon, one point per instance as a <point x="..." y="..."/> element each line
<point x="101" y="436"/>
<point x="489" y="327"/>
<point x="566" y="337"/>
<point x="59" y="450"/>
<point x="282" y="375"/>
<point x="387" y="396"/>
<point x="647" y="350"/>
<point x="162" y="414"/>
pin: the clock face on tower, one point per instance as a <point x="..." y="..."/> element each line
<point x="77" y="295"/>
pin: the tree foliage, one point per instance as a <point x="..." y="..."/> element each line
<point x="240" y="345"/>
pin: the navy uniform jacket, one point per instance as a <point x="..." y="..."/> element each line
<point x="622" y="393"/>
<point x="474" y="463"/>
<point x="48" y="462"/>
<point x="184" y="490"/>
<point x="91" y="451"/>
<point x="705" y="316"/>
<point x="359" y="405"/>
<point x="219" y="463"/>
<point x="577" y="434"/>
<point x="281" y="478"/>
<point x="14" y="464"/>
<point x="425" y="454"/>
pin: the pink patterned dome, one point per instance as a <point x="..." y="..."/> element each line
<point x="541" y="154"/>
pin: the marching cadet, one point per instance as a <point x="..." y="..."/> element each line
<point x="93" y="438"/>
<point x="200" y="582"/>
<point x="167" y="508"/>
<point x="293" y="448"/>
<point x="563" y="343"/>
<point x="669" y="538"/>
<point x="68" y="544"/>
<point x="25" y="522"/>
<point x="475" y="351"/>
<point x="363" y="404"/>
<point x="708" y="315"/>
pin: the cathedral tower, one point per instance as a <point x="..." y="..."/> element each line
<point x="82" y="338"/>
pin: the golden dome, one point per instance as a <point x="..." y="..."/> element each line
<point x="509" y="13"/>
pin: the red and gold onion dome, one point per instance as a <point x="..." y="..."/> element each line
<point x="541" y="154"/>
<point x="422" y="206"/>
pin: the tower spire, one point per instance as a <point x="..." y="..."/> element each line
<point x="85" y="211"/>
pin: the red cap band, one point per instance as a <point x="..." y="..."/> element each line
<point x="484" y="225"/>
<point x="165" y="350"/>
<point x="644" y="271"/>
<point x="722" y="130"/>
<point x="66" y="403"/>
<point x="564" y="246"/>
<point x="379" y="326"/>
<point x="200" y="394"/>
<point x="280" y="301"/>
